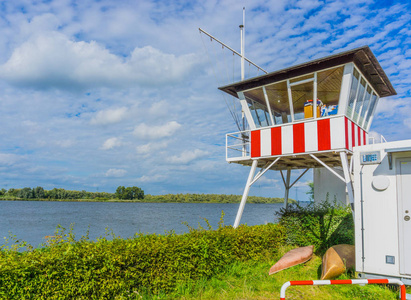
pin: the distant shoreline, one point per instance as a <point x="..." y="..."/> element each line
<point x="125" y="194"/>
<point x="163" y="199"/>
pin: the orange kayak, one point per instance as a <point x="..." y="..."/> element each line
<point x="337" y="260"/>
<point x="292" y="258"/>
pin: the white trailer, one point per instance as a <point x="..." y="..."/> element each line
<point x="382" y="203"/>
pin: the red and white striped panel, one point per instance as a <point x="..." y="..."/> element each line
<point x="311" y="136"/>
<point x="354" y="135"/>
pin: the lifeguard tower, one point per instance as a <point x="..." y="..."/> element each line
<point x="307" y="116"/>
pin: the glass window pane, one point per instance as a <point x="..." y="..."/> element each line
<point x="360" y="99"/>
<point x="373" y="102"/>
<point x="259" y="113"/>
<point x="262" y="114"/>
<point x="353" y="92"/>
<point x="253" y="112"/>
<point x="328" y="90"/>
<point x="278" y="97"/>
<point x="301" y="94"/>
<point x="258" y="108"/>
<point x="365" y="106"/>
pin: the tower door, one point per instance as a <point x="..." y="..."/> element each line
<point x="404" y="214"/>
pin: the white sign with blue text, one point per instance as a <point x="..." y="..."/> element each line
<point x="370" y="158"/>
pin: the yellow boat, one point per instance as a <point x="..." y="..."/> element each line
<point x="292" y="258"/>
<point x="337" y="260"/>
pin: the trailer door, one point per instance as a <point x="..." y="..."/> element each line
<point x="404" y="214"/>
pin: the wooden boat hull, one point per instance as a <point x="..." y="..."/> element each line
<point x="292" y="258"/>
<point x="337" y="260"/>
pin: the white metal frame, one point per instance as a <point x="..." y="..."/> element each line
<point x="290" y="100"/>
<point x="345" y="88"/>
<point x="246" y="110"/>
<point x="268" y="106"/>
<point x="250" y="181"/>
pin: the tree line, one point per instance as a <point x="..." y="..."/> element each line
<point x="209" y="198"/>
<point x="127" y="193"/>
<point x="27" y="193"/>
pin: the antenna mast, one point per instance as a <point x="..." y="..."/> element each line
<point x="242" y="39"/>
<point x="231" y="49"/>
<point x="243" y="60"/>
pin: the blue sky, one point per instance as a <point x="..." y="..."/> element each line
<point x="97" y="94"/>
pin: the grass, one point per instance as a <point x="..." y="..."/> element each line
<point x="250" y="280"/>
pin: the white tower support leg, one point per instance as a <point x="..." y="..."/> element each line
<point x="347" y="176"/>
<point x="287" y="188"/>
<point x="287" y="184"/>
<point x="245" y="194"/>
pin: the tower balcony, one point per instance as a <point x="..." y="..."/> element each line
<point x="296" y="143"/>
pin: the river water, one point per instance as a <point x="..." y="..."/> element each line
<point x="31" y="221"/>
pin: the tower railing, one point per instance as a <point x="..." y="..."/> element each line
<point x="374" y="140"/>
<point x="238" y="145"/>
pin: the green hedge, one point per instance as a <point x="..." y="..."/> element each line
<point x="127" y="268"/>
<point x="323" y="225"/>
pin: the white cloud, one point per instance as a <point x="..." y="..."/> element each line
<point x="303" y="184"/>
<point x="52" y="60"/>
<point x="187" y="156"/>
<point x="390" y="106"/>
<point x="160" y="108"/>
<point x="265" y="181"/>
<point x="65" y="143"/>
<point x="116" y="173"/>
<point x="156" y="132"/>
<point x="153" y="67"/>
<point x="109" y="116"/>
<point x="152" y="178"/>
<point x="8" y="159"/>
<point x="111" y="143"/>
<point x="151" y="147"/>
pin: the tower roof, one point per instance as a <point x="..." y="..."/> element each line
<point x="362" y="57"/>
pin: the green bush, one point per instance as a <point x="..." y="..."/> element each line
<point x="126" y="268"/>
<point x="323" y="225"/>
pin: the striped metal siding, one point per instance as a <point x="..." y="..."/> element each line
<point x="311" y="136"/>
